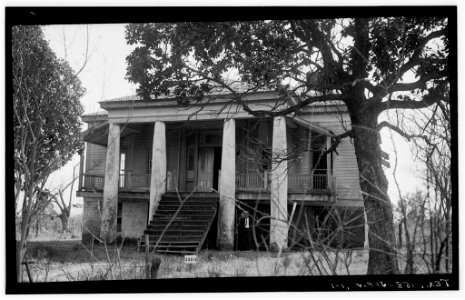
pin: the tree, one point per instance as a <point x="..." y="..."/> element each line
<point x="47" y="125"/>
<point x="371" y="64"/>
<point x="65" y="206"/>
<point x="430" y="131"/>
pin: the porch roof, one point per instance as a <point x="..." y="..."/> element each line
<point x="99" y="134"/>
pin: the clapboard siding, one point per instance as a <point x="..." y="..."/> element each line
<point x="345" y="163"/>
<point x="95" y="159"/>
<point x="347" y="174"/>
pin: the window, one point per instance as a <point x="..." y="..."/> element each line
<point x="122" y="169"/>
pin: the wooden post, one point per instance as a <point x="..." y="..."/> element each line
<point x="265" y="180"/>
<point x="81" y="171"/>
<point x="147" y="255"/>
<point x="155" y="265"/>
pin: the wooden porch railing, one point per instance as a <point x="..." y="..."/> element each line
<point x="256" y="181"/>
<point x="128" y="181"/>
<point x="317" y="181"/>
<point x="92" y="181"/>
<point x="134" y="181"/>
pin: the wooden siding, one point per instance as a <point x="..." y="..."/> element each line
<point x="95" y="159"/>
<point x="345" y="164"/>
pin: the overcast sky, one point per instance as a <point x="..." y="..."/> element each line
<point x="104" y="78"/>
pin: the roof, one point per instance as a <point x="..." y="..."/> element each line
<point x="238" y="87"/>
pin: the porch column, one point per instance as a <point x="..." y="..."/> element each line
<point x="158" y="178"/>
<point x="227" y="209"/>
<point x="108" y="228"/>
<point x="278" y="194"/>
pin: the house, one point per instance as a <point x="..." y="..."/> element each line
<point x="212" y="175"/>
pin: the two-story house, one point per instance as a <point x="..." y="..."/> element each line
<point x="213" y="175"/>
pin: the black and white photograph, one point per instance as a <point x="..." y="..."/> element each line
<point x="231" y="149"/>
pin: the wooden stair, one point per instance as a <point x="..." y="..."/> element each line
<point x="181" y="227"/>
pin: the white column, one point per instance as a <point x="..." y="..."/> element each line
<point x="108" y="227"/>
<point x="227" y="209"/>
<point x="158" y="178"/>
<point x="278" y="193"/>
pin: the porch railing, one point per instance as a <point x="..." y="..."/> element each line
<point x="253" y="181"/>
<point x="317" y="181"/>
<point x="93" y="181"/>
<point x="128" y="181"/>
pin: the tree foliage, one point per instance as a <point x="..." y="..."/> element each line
<point x="371" y="64"/>
<point x="46" y="120"/>
<point x="46" y="106"/>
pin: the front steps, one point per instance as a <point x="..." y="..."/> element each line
<point x="181" y="227"/>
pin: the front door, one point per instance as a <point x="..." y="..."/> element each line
<point x="205" y="169"/>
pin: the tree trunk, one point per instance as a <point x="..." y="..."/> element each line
<point x="400" y="234"/>
<point x="64" y="217"/>
<point x="374" y="185"/>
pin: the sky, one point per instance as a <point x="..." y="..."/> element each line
<point x="104" y="78"/>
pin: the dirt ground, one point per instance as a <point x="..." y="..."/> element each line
<point x="70" y="261"/>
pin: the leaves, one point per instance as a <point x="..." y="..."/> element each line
<point x="314" y="56"/>
<point x="46" y="105"/>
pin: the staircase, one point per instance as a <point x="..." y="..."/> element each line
<point x="181" y="228"/>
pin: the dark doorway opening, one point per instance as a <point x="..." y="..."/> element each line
<point x="210" y="240"/>
<point x="216" y="166"/>
<point x="252" y="227"/>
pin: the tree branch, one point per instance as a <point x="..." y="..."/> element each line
<point x="407" y="136"/>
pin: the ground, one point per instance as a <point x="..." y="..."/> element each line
<point x="69" y="260"/>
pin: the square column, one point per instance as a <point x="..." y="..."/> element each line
<point x="278" y="193"/>
<point x="158" y="177"/>
<point x="108" y="227"/>
<point x="227" y="208"/>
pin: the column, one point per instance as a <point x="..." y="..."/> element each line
<point x="158" y="177"/>
<point x="108" y="228"/>
<point x="81" y="169"/>
<point x="227" y="209"/>
<point x="278" y="193"/>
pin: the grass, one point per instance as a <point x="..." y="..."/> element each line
<point x="127" y="263"/>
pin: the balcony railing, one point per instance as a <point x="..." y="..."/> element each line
<point x="315" y="182"/>
<point x="93" y="181"/>
<point x="134" y="181"/>
<point x="253" y="182"/>
<point x="128" y="181"/>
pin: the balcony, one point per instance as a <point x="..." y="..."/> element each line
<point x="317" y="182"/>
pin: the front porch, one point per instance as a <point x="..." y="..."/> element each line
<point x="275" y="160"/>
